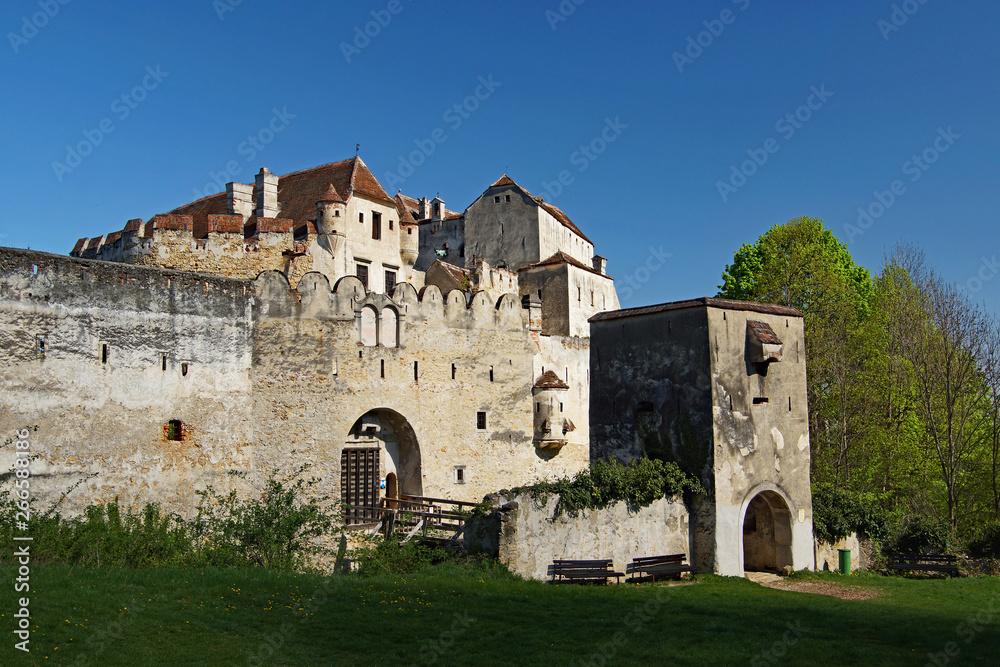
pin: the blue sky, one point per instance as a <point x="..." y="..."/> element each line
<point x="648" y="111"/>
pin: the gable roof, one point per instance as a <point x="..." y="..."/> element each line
<point x="298" y="193"/>
<point x="562" y="258"/>
<point x="554" y="211"/>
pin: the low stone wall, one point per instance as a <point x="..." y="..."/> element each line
<point x="526" y="535"/>
<point x="828" y="555"/>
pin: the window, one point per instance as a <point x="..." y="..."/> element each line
<point x="363" y="274"/>
<point x="163" y="362"/>
<point x="41" y="347"/>
<point x="491" y="374"/>
<point x="388" y="328"/>
<point x="579" y="293"/>
<point x="383" y="369"/>
<point x="453" y="371"/>
<point x="481" y="421"/>
<point x="437" y="210"/>
<point x="369" y="327"/>
<point x="507" y="198"/>
<point x="759" y="400"/>
<point x="390" y="281"/>
<point x="104" y="353"/>
<point x="459" y="474"/>
<point x="390" y="225"/>
<point x="538" y="407"/>
<point x="184" y="370"/>
<point x="416" y="371"/>
<point x="496" y="200"/>
<point x="361" y="218"/>
<point x="376" y="226"/>
<point x="175" y="430"/>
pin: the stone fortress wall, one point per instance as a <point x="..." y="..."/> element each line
<point x="109" y="360"/>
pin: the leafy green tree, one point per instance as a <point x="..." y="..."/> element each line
<point x="802" y="264"/>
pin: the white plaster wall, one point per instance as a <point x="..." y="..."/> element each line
<point x="613" y="532"/>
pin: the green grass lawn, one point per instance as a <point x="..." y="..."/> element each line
<point x="449" y="615"/>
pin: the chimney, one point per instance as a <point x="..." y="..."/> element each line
<point x="267" y="194"/>
<point x="425" y="208"/>
<point x="239" y="197"/>
<point x="437" y="208"/>
<point x="600" y="264"/>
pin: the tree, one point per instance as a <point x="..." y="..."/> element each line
<point x="949" y="345"/>
<point x="803" y="265"/>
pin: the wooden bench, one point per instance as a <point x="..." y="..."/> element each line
<point x="925" y="563"/>
<point x="592" y="571"/>
<point x="672" y="565"/>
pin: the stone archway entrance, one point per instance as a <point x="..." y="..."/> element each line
<point x="381" y="458"/>
<point x="767" y="533"/>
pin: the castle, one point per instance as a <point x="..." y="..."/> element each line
<point x="397" y="346"/>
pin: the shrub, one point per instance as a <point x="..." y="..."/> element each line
<point x="921" y="535"/>
<point x="837" y="514"/>
<point x="987" y="543"/>
<point x="275" y="530"/>
<point x="387" y="556"/>
<point x="639" y="483"/>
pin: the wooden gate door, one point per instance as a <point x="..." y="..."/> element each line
<point x="359" y="483"/>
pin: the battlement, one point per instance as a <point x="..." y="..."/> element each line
<point x="57" y="280"/>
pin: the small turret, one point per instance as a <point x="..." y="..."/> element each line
<point x="409" y="234"/>
<point x="330" y="210"/>
<point x="551" y="423"/>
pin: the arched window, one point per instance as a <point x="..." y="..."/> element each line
<point x="388" y="327"/>
<point x="369" y="326"/>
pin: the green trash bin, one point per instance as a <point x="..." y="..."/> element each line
<point x="845" y="561"/>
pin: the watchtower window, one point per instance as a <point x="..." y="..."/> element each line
<point x="361" y="218"/>
<point x="481" y="421"/>
<point x="163" y="362"/>
<point x="104" y="353"/>
<point x="175" y="430"/>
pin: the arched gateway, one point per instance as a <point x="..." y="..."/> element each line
<point x="380" y="458"/>
<point x="767" y="533"/>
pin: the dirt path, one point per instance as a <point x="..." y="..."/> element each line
<point x="842" y="591"/>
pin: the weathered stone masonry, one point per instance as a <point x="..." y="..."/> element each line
<point x="262" y="377"/>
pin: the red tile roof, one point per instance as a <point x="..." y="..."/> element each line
<point x="298" y="193"/>
<point x="80" y="245"/>
<point x="726" y="304"/>
<point x="562" y="258"/>
<point x="763" y="332"/>
<point x="405" y="216"/>
<point x="550" y="380"/>
<point x="504" y="180"/>
<point x="331" y="195"/>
